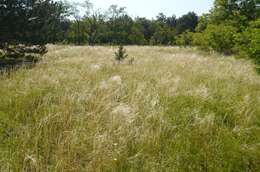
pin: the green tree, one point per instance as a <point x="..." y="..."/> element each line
<point x="202" y="23"/>
<point x="30" y="22"/>
<point x="137" y="36"/>
<point x="184" y="39"/>
<point x="75" y="11"/>
<point x="220" y="38"/>
<point x="163" y="36"/>
<point x="120" y="55"/>
<point x="231" y="27"/>
<point x="236" y="12"/>
<point x="187" y="22"/>
<point x="248" y="42"/>
<point x="147" y="27"/>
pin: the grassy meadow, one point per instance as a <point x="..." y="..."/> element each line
<point x="173" y="109"/>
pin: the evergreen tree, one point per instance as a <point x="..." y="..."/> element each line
<point x="120" y="55"/>
<point x="30" y="22"/>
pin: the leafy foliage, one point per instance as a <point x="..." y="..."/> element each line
<point x="49" y="21"/>
<point x="219" y="38"/>
<point x="184" y="39"/>
<point x="232" y="26"/>
<point x="116" y="27"/>
<point x="187" y="22"/>
<point x="248" y="42"/>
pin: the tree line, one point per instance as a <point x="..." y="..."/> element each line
<point x="47" y="21"/>
<point x="231" y="27"/>
<point x="116" y="27"/>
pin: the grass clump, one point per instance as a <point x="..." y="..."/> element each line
<point x="174" y="110"/>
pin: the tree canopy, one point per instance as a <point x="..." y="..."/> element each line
<point x="30" y="21"/>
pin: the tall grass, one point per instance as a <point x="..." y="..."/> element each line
<point x="172" y="110"/>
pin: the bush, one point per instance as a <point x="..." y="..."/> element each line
<point x="185" y="39"/>
<point x="218" y="38"/>
<point x="137" y="37"/>
<point x="248" y="42"/>
<point x="163" y="36"/>
<point x="199" y="39"/>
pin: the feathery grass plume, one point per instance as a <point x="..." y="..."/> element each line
<point x="174" y="110"/>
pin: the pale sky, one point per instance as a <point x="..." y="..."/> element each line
<point x="150" y="8"/>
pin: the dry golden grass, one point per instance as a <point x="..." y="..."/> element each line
<point x="173" y="109"/>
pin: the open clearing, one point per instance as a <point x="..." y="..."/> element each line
<point x="173" y="109"/>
